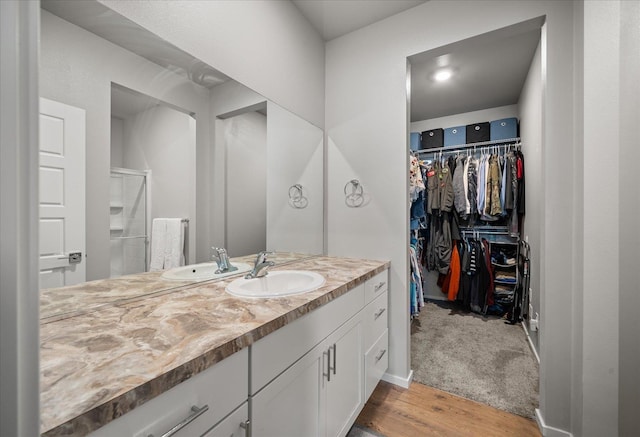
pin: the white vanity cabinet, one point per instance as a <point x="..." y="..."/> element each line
<point x="320" y="395"/>
<point x="193" y="407"/>
<point x="343" y="386"/>
<point x="324" y="390"/>
<point x="235" y="425"/>
<point x="376" y="342"/>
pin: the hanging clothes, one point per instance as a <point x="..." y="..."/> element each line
<point x="472" y="185"/>
<point x="416" y="291"/>
<point x="433" y="188"/>
<point x="471" y="190"/>
<point x="459" y="189"/>
<point x="445" y="188"/>
<point x="454" y="274"/>
<point x="416" y="183"/>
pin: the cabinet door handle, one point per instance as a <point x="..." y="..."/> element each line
<point x="334" y="358"/>
<point x="328" y="374"/>
<point x="380" y="355"/>
<point x="197" y="412"/>
<point x="379" y="313"/>
<point x="379" y="286"/>
<point x="246" y="425"/>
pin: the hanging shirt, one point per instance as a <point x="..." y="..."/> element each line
<point x="433" y="189"/>
<point x="482" y="184"/>
<point x="459" y="192"/>
<point x="494" y="181"/>
<point x="465" y="186"/>
<point x="472" y="180"/>
<point x="446" y="189"/>
<point x="454" y="271"/>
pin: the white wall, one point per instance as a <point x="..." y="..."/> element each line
<point x="295" y="156"/>
<point x="73" y="71"/>
<point x="466" y="118"/>
<point x="245" y="138"/>
<point x="266" y="45"/>
<point x="19" y="156"/>
<point x="602" y="205"/>
<point x="229" y="97"/>
<point x="163" y="140"/>
<point x="367" y="138"/>
<point x="629" y="234"/>
<point x="117" y="138"/>
<point x="530" y="115"/>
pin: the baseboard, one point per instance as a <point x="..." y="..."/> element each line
<point x="549" y="431"/>
<point x="397" y="380"/>
<point x="533" y="348"/>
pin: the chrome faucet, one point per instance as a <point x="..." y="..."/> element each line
<point x="222" y="259"/>
<point x="260" y="267"/>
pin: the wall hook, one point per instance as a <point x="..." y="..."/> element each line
<point x="354" y="194"/>
<point x="297" y="198"/>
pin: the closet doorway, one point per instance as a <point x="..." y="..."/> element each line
<point x="487" y="353"/>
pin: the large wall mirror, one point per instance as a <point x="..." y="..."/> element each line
<point x="134" y="129"/>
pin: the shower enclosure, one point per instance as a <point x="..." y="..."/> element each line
<point x="128" y="221"/>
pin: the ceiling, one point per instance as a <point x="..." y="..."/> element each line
<point x="488" y="71"/>
<point x="334" y="18"/>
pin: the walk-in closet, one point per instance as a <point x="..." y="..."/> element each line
<point x="474" y="159"/>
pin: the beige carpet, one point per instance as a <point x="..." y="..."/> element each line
<point x="479" y="358"/>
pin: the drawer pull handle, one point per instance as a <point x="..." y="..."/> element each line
<point x="197" y="412"/>
<point x="380" y="355"/>
<point x="379" y="286"/>
<point x="246" y="425"/>
<point x="334" y="358"/>
<point x="379" y="313"/>
<point x="328" y="374"/>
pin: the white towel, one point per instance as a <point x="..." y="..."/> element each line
<point x="167" y="244"/>
<point x="174" y="244"/>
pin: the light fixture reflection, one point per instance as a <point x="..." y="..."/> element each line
<point x="442" y="75"/>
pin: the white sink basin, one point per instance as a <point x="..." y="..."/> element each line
<point x="202" y="272"/>
<point x="277" y="283"/>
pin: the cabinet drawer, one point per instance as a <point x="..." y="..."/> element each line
<point x="222" y="388"/>
<point x="375" y="286"/>
<point x="375" y="319"/>
<point x="235" y="425"/>
<point x="376" y="362"/>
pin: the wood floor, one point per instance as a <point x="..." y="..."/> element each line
<point x="425" y="411"/>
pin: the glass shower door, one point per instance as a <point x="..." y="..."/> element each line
<point x="128" y="222"/>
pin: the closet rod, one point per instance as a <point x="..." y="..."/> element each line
<point x="486" y="231"/>
<point x="500" y="143"/>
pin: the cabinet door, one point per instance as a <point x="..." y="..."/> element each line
<point x="291" y="405"/>
<point x="344" y="389"/>
<point x="232" y="426"/>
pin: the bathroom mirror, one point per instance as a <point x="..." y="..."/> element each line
<point x="165" y="136"/>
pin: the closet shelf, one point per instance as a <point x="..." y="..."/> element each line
<point x="503" y="282"/>
<point x="116" y="205"/>
<point x="504" y="266"/>
<point x="130" y="237"/>
<point x="116" y="229"/>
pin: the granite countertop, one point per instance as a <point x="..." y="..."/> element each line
<point x="74" y="300"/>
<point x="97" y="365"/>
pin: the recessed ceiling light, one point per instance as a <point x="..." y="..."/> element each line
<point x="442" y="75"/>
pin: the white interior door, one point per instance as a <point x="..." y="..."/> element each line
<point x="62" y="194"/>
